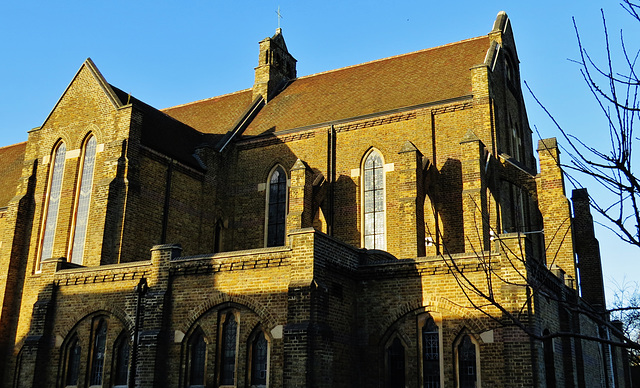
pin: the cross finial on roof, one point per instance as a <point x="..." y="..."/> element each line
<point x="279" y="16"/>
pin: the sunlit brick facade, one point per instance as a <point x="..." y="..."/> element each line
<point x="315" y="231"/>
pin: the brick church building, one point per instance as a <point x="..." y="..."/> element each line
<point x="381" y="225"/>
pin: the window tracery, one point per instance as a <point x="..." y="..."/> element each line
<point x="374" y="201"/>
<point x="83" y="199"/>
<point x="53" y="201"/>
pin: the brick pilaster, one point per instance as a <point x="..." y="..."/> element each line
<point x="410" y="213"/>
<point x="555" y="209"/>
<point x="474" y="194"/>
<point x="153" y="337"/>
<point x="300" y="198"/>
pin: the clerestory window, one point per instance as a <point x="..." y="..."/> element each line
<point x="277" y="207"/>
<point x="374" y="201"/>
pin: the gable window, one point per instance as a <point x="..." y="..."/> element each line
<point x="53" y="201"/>
<point x="430" y="354"/>
<point x="228" y="350"/>
<point x="374" y="202"/>
<point x="277" y="207"/>
<point x="72" y="363"/>
<point x="259" y="352"/>
<point x="83" y="199"/>
<point x="467" y="367"/>
<point x="395" y="364"/>
<point x="198" y="357"/>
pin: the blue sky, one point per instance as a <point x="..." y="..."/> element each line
<point x="168" y="53"/>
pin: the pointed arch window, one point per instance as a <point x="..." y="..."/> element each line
<point x="53" y="201"/>
<point x="395" y="364"/>
<point x="97" y="356"/>
<point x="121" y="371"/>
<point x="83" y="199"/>
<point x="277" y="207"/>
<point x="197" y="362"/>
<point x="228" y="350"/>
<point x="430" y="354"/>
<point x="72" y="363"/>
<point x="374" y="201"/>
<point x="259" y="356"/>
<point x="467" y="363"/>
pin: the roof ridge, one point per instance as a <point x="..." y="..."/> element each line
<point x="205" y="99"/>
<point x="391" y="57"/>
<point x="13" y="145"/>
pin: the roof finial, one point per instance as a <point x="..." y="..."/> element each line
<point x="279" y="17"/>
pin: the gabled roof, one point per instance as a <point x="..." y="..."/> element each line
<point x="407" y="80"/>
<point x="403" y="81"/>
<point x="215" y="115"/>
<point x="11" y="161"/>
<point x="165" y="134"/>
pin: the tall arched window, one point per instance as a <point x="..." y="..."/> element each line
<point x="228" y="350"/>
<point x="467" y="368"/>
<point x="53" y="201"/>
<point x="259" y="352"/>
<point x="374" y="202"/>
<point x="277" y="207"/>
<point x="83" y="199"/>
<point x="430" y="354"/>
<point x="97" y="356"/>
<point x="395" y="364"/>
<point x="72" y="362"/>
<point x="197" y="360"/>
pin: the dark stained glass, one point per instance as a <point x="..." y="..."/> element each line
<point x="277" y="213"/>
<point x="122" y="363"/>
<point x="228" y="364"/>
<point x="467" y="363"/>
<point x="395" y="365"/>
<point x="73" y="363"/>
<point x="430" y="355"/>
<point x="198" y="359"/>
<point x="259" y="361"/>
<point x="97" y="359"/>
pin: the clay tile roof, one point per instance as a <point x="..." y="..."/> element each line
<point x="215" y="115"/>
<point x="11" y="158"/>
<point x="420" y="77"/>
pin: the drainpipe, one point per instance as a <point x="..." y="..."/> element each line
<point x="141" y="289"/>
